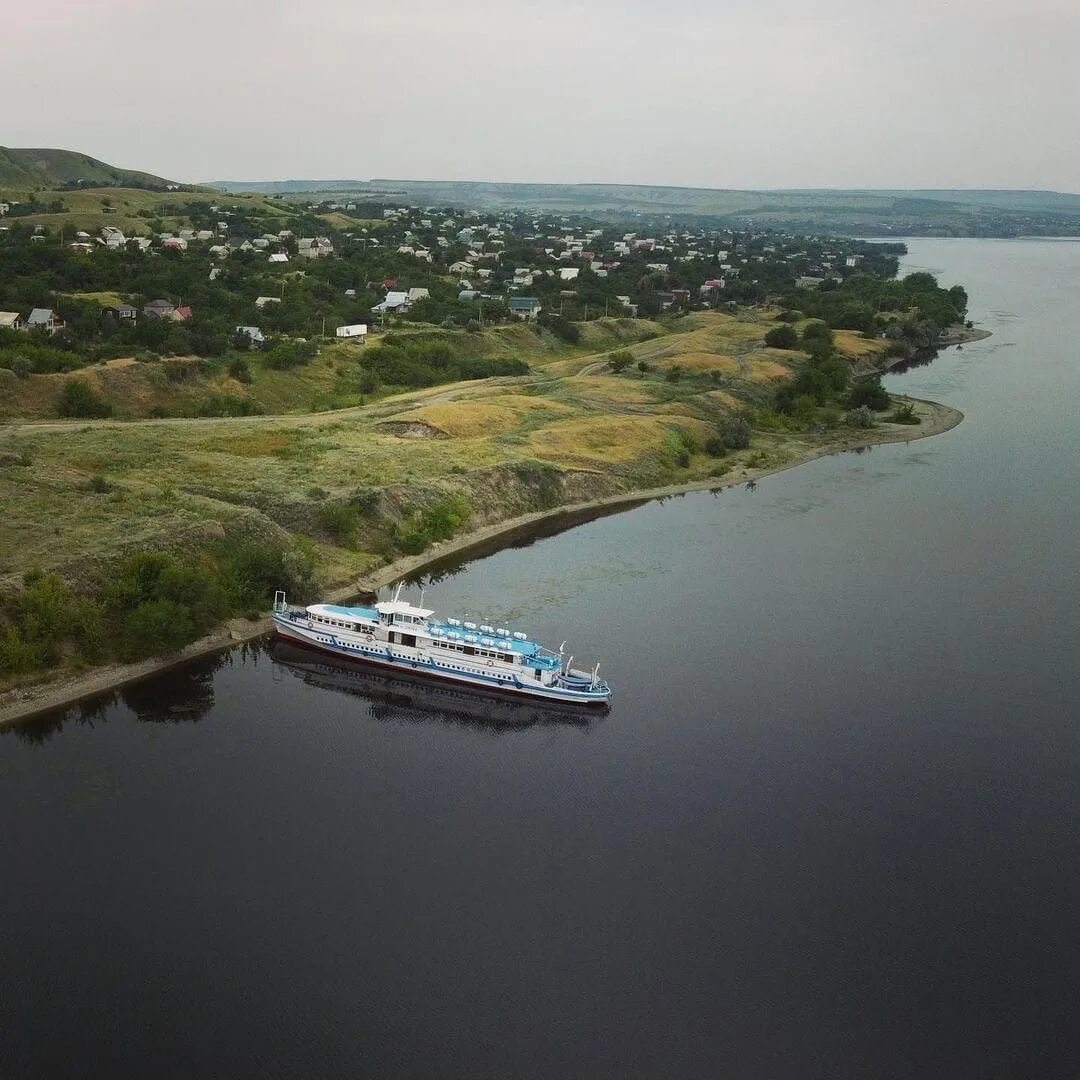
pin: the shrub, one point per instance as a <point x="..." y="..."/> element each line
<point x="21" y="367"/>
<point x="156" y="628"/>
<point x="673" y="373"/>
<point x="869" y="392"/>
<point x="99" y="485"/>
<point x="905" y="413"/>
<point x="79" y="399"/>
<point x="736" y="433"/>
<point x="620" y="361"/>
<point x="642" y="366"/>
<point x="239" y="370"/>
<point x="437" y="522"/>
<point x="861" y="417"/>
<point x="341" y="520"/>
<point x="782" y="337"/>
<point x="714" y="446"/>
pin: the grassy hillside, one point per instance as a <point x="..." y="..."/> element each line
<point x="35" y="169"/>
<point x="130" y="209"/>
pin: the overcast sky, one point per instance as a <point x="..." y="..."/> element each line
<point x="716" y="93"/>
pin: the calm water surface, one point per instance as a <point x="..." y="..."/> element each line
<point x="831" y="826"/>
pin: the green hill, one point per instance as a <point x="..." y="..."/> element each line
<point x="34" y="169"/>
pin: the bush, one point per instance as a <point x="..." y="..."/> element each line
<point x="905" y="414"/>
<point x="620" y="361"/>
<point x="861" y="417"/>
<point x="156" y="628"/>
<point x="99" y="485"/>
<point x="673" y="373"/>
<point x="341" y="520"/>
<point x="782" y="337"/>
<point x="21" y="367"/>
<point x="736" y="433"/>
<point x="714" y="446"/>
<point x="78" y="399"/>
<point x="437" y="522"/>
<point x="869" y="393"/>
<point x="239" y="370"/>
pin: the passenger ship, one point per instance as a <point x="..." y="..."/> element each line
<point x="400" y="635"/>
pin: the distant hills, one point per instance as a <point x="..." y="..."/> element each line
<point x="958" y="212"/>
<point x="37" y="169"/>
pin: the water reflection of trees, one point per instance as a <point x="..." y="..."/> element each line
<point x="181" y="695"/>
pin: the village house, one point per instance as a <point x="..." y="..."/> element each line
<point x="354" y="332"/>
<point x="460" y="267"/>
<point x="10" y="320"/>
<point x="254" y="335"/>
<point x="45" y="319"/>
<point x="314" y="247"/>
<point x="278" y="257"/>
<point x="418" y="294"/>
<point x="159" y="309"/>
<point x="262" y="301"/>
<point x="393" y="301"/>
<point x="525" y="307"/>
<point x="119" y="312"/>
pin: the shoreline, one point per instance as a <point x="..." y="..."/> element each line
<point x="24" y="703"/>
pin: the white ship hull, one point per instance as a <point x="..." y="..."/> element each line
<point x="375" y="638"/>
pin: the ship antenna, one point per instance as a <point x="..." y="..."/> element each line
<point x="421" y="596"/>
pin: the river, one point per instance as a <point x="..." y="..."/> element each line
<point x="829" y="827"/>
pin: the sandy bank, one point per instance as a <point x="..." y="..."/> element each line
<point x="23" y="702"/>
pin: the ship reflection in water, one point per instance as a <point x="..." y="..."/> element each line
<point x="403" y="697"/>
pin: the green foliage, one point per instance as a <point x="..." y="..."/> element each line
<point x="736" y="433"/>
<point x="905" y="413"/>
<point x="673" y="373"/>
<point x="860" y="417"/>
<point x="782" y="337"/>
<point x="869" y="393"/>
<point x="341" y="521"/>
<point x="227" y="405"/>
<point x="239" y="370"/>
<point x="620" y="361"/>
<point x="434" y="523"/>
<point x="561" y="328"/>
<point x="79" y="399"/>
<point x="99" y="485"/>
<point x="21" y="367"/>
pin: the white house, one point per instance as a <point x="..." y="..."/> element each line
<point x="394" y="301"/>
<point x="262" y="301"/>
<point x="279" y="257"/>
<point x="254" y="335"/>
<point x="418" y="294"/>
<point x="10" y="320"/>
<point x="354" y="332"/>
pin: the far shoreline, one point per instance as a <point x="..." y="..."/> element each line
<point x="24" y="703"/>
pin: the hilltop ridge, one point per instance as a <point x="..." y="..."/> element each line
<point x="35" y="169"/>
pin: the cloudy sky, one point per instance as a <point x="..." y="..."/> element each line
<point x="717" y="93"/>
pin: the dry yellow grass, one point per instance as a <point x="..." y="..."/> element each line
<point x="600" y="439"/>
<point x="722" y="397"/>
<point x="853" y="344"/>
<point x="474" y="419"/>
<point x="614" y="388"/>
<point x="702" y="361"/>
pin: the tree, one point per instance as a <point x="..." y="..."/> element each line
<point x="78" y="399"/>
<point x="782" y="337"/>
<point x="620" y="361"/>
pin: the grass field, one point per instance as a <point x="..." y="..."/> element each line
<point x="570" y="429"/>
